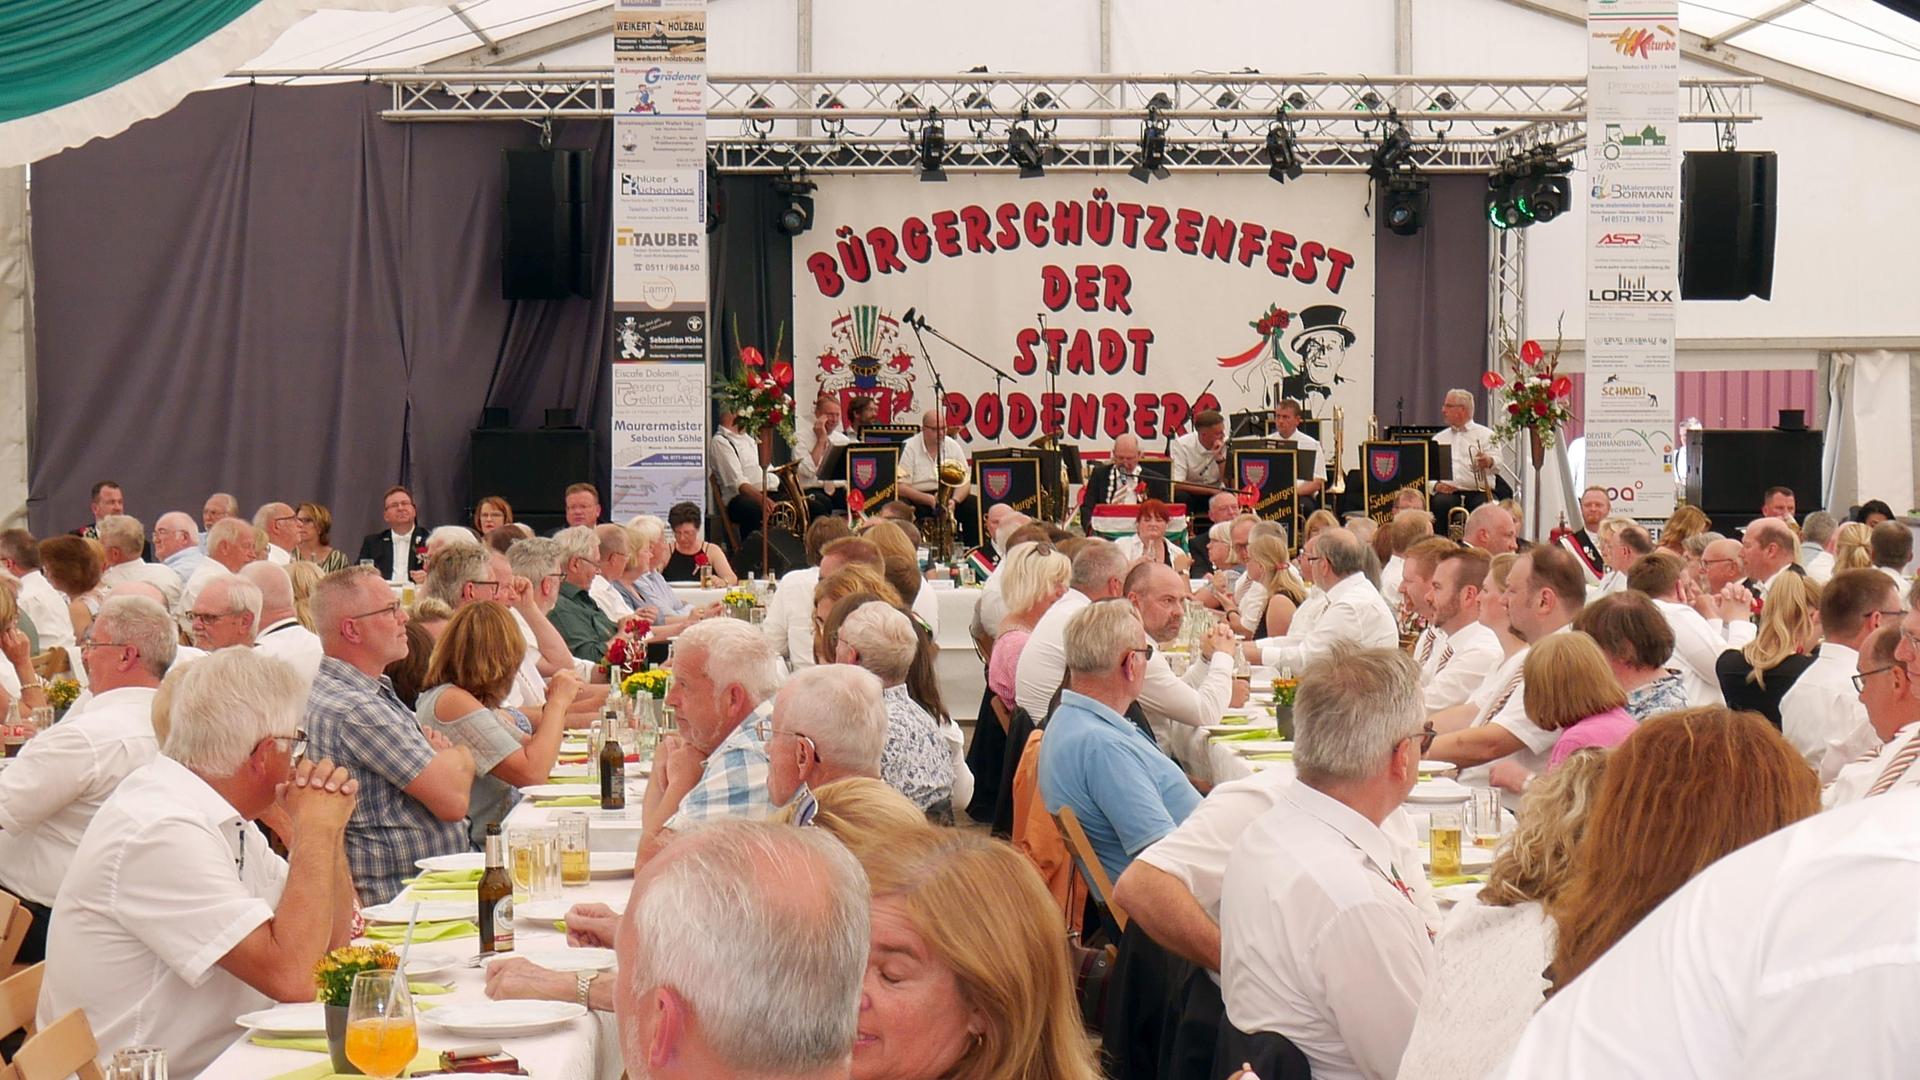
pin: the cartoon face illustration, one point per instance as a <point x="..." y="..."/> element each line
<point x="1321" y="343"/>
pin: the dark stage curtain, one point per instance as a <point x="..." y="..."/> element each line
<point x="1430" y="308"/>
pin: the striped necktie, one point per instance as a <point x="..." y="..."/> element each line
<point x="1506" y="694"/>
<point x="1426" y="644"/>
<point x="1897" y="767"/>
<point x="1446" y="654"/>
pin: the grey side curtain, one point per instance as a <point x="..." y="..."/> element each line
<point x="272" y="291"/>
<point x="1430" y="307"/>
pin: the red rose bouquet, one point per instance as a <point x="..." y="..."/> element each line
<point x="761" y="395"/>
<point x="1532" y="397"/>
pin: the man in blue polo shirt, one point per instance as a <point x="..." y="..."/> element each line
<point x="1126" y="793"/>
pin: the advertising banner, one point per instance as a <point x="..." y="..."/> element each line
<point x="1632" y="260"/>
<point x="1110" y="307"/>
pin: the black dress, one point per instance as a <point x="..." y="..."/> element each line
<point x="1744" y="696"/>
<point x="681" y="567"/>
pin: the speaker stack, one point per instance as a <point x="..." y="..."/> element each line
<point x="545" y="254"/>
<point x="1726" y="224"/>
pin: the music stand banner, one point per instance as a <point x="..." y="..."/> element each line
<point x="1011" y="480"/>
<point x="870" y="472"/>
<point x="1269" y="475"/>
<point x="1387" y="467"/>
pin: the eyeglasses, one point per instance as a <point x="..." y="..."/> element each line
<point x="200" y="617"/>
<point x="1860" y="680"/>
<point x="296" y="743"/>
<point x="764" y="731"/>
<point x="1711" y="562"/>
<point x="390" y="610"/>
<point x="85" y="645"/>
<point x="490" y="585"/>
<point x="1426" y="737"/>
<point x="289" y="517"/>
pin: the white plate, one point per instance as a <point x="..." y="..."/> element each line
<point x="561" y="958"/>
<point x="1435" y="768"/>
<point x="559" y="791"/>
<point x="576" y="769"/>
<point x="611" y="863"/>
<point x="1440" y="791"/>
<point x="293" y="1021"/>
<point x="504" y="1019"/>
<point x="542" y="911"/>
<point x="464" y="860"/>
<point x="396" y="911"/>
<point x="1262" y="746"/>
<point x="1450" y="895"/>
<point x="424" y="968"/>
<point x="1227" y="727"/>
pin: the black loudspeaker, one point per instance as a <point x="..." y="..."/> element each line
<point x="1726" y="224"/>
<point x="529" y="469"/>
<point x="1729" y="470"/>
<point x="545" y="254"/>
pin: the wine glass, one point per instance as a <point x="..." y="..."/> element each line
<point x="381" y="1037"/>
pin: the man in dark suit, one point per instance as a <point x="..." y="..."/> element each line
<point x="1224" y="506"/>
<point x="402" y="534"/>
<point x="1116" y="480"/>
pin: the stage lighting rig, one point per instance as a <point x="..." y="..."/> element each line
<point x="1153" y="147"/>
<point x="1405" y="203"/>
<point x="1529" y="187"/>
<point x="932" y="143"/>
<point x="795" y="212"/>
<point x="1025" y="151"/>
<point x="1283" y="154"/>
<point x="1395" y="146"/>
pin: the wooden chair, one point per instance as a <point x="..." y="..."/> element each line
<point x="720" y="499"/>
<point x="65" y="1048"/>
<point x="15" y="920"/>
<point x="1091" y="871"/>
<point x="1000" y="713"/>
<point x="19" y="996"/>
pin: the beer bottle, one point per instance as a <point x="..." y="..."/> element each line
<point x="496" y="898"/>
<point x="613" y="772"/>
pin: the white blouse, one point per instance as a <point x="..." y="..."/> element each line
<point x="1486" y="984"/>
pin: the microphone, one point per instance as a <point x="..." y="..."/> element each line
<point x="908" y="317"/>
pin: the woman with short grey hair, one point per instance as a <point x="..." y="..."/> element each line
<point x="918" y="760"/>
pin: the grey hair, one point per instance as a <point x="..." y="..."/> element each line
<point x="1816" y="527"/>
<point x="839" y="707"/>
<point x="1267" y="528"/>
<point x="268" y="511"/>
<point x="647" y="528"/>
<point x="181" y="521"/>
<point x="736" y="654"/>
<point x="452" y="567"/>
<point x="233" y="504"/>
<point x="1353" y="707"/>
<point x="1344" y="552"/>
<point x="1098" y="562"/>
<point x="1026" y="575"/>
<point x="1099" y="635"/>
<point x="242" y="595"/>
<point x="762" y="930"/>
<point x="1457" y="394"/>
<point x="143" y="624"/>
<point x="123" y="534"/>
<point x="534" y="558"/>
<point x="447" y="535"/>
<point x="577" y="542"/>
<point x="230" y="530"/>
<point x="883" y="637"/>
<point x="274" y="584"/>
<point x="613" y="540"/>
<point x="228" y="701"/>
<point x="1697" y="543"/>
<point x="335" y="596"/>
<point x="1014" y="523"/>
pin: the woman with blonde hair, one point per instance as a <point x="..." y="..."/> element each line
<point x="315" y="523"/>
<point x="1685" y="789"/>
<point x="863" y="813"/>
<point x="1032" y="577"/>
<point x="849" y="580"/>
<point x="1494" y="946"/>
<point x="902" y="557"/>
<point x="1570" y="688"/>
<point x="1757" y="675"/>
<point x="1273" y="592"/>
<point x="1683" y="524"/>
<point x="1852" y="547"/>
<point x="304" y="576"/>
<point x="469" y="674"/>
<point x="967" y="974"/>
<point x="1319" y="519"/>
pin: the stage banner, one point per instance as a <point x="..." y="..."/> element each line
<point x="1632" y="254"/>
<point x="1265" y="480"/>
<point x="870" y="473"/>
<point x="1385" y="468"/>
<point x="1010" y="479"/>
<point x="1110" y="306"/>
<point x="659" y="221"/>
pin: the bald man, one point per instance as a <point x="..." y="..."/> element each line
<point x="1491" y="529"/>
<point x="1116" y="481"/>
<point x="1767" y="549"/>
<point x="919" y="474"/>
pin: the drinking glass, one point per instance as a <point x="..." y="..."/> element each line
<point x="575" y="863"/>
<point x="42" y="720"/>
<point x="1487" y="817"/>
<point x="1446" y="843"/>
<point x="381" y="1037"/>
<point x="138" y="1063"/>
<point x="542" y="844"/>
<point x="520" y="856"/>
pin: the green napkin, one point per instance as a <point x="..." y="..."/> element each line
<point x="451" y="878"/>
<point x="1270" y="755"/>
<point x="315" y="1045"/>
<point x="1456" y="879"/>
<point x="454" y="895"/>
<point x="570" y="800"/>
<point x="1248" y="736"/>
<point x="426" y="931"/>
<point x="571" y="780"/>
<point x="424" y="1061"/>
<point x="428" y="988"/>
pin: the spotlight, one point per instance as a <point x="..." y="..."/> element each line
<point x="1227" y="100"/>
<point x="1368" y="102"/>
<point x="1024" y="151"/>
<point x="1527" y="188"/>
<point x="1159" y="102"/>
<point x="1442" y="102"/>
<point x="1503" y="211"/>
<point x="1283" y="157"/>
<point x="1392" y="152"/>
<point x="1296" y="100"/>
<point x="794" y="214"/>
<point x="933" y="149"/>
<point x="978" y="99"/>
<point x="828" y="100"/>
<point x="1043" y="100"/>
<point x="1153" y="148"/>
<point x="1406" y="204"/>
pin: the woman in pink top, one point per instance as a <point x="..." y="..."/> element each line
<point x="1571" y="689"/>
<point x="1031" y="578"/>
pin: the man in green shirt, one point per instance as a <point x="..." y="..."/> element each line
<point x="580" y="620"/>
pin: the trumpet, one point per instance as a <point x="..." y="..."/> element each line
<point x="1337" y="483"/>
<point x="1457" y="524"/>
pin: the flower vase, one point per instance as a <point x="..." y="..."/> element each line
<point x="337" y="1041"/>
<point x="1283" y="721"/>
<point x="1537" y="443"/>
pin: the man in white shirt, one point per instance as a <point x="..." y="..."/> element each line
<point x="1208" y="689"/>
<point x="1797" y="955"/>
<point x="1416" y="593"/>
<point x="816" y="445"/>
<point x="1469" y="650"/>
<point x="789" y="623"/>
<point x="176" y="916"/>
<point x="734" y="457"/>
<point x="1816" y="545"/>
<point x="20" y="554"/>
<point x="1407" y="528"/>
<point x="281" y="636"/>
<point x="1894" y="711"/>
<point x="1313" y="464"/>
<point x="1099" y="573"/>
<point x="1621" y="546"/>
<point x="531" y="570"/>
<point x="229" y="547"/>
<point x="610" y="590"/>
<point x="176" y="544"/>
<point x="1200" y="460"/>
<point x="1697" y="642"/>
<point x="1491" y="529"/>
<point x="1335" y="560"/>
<point x="282" y="527"/>
<point x="1322" y="939"/>
<point x="123" y="539"/>
<point x="1470" y="454"/>
<point x="918" y="478"/>
<point x="1891" y="544"/>
<point x="1766" y="552"/>
<point x="1821" y="713"/>
<point x="226" y="614"/>
<point x="52" y="790"/>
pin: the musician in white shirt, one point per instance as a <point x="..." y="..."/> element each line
<point x="735" y="460"/>
<point x="1321" y="936"/>
<point x="815" y="446"/>
<point x="918" y="478"/>
<point x="1200" y="460"/>
<point x="1471" y="453"/>
<point x="1313" y="465"/>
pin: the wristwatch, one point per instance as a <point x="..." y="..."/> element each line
<point x="583" y="988"/>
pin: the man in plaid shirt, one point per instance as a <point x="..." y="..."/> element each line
<point x="413" y="786"/>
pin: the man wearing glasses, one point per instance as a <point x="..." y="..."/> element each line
<point x="1887" y="690"/>
<point x="226" y="613"/>
<point x="1821" y="714"/>
<point x="413" y="786"/>
<point x="63" y="775"/>
<point x="829" y="723"/>
<point x="282" y="527"/>
<point x="580" y="621"/>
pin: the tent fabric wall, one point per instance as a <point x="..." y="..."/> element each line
<point x="1430" y="308"/>
<point x="1870" y="450"/>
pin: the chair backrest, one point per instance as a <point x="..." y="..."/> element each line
<point x="64" y="1048"/>
<point x="720" y="500"/>
<point x="19" y="996"/>
<point x="1091" y="870"/>
<point x="14" y="921"/>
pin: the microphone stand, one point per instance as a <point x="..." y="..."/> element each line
<point x="940" y="431"/>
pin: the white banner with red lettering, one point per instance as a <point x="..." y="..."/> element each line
<point x="1152" y="301"/>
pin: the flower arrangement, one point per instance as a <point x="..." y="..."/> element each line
<point x="739" y="597"/>
<point x="761" y="395"/>
<point x="651" y="683"/>
<point x="636" y="628"/>
<point x="619" y="652"/>
<point x="1537" y="398"/>
<point x="62" y="693"/>
<point x="1284" y="689"/>
<point x="333" y="975"/>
